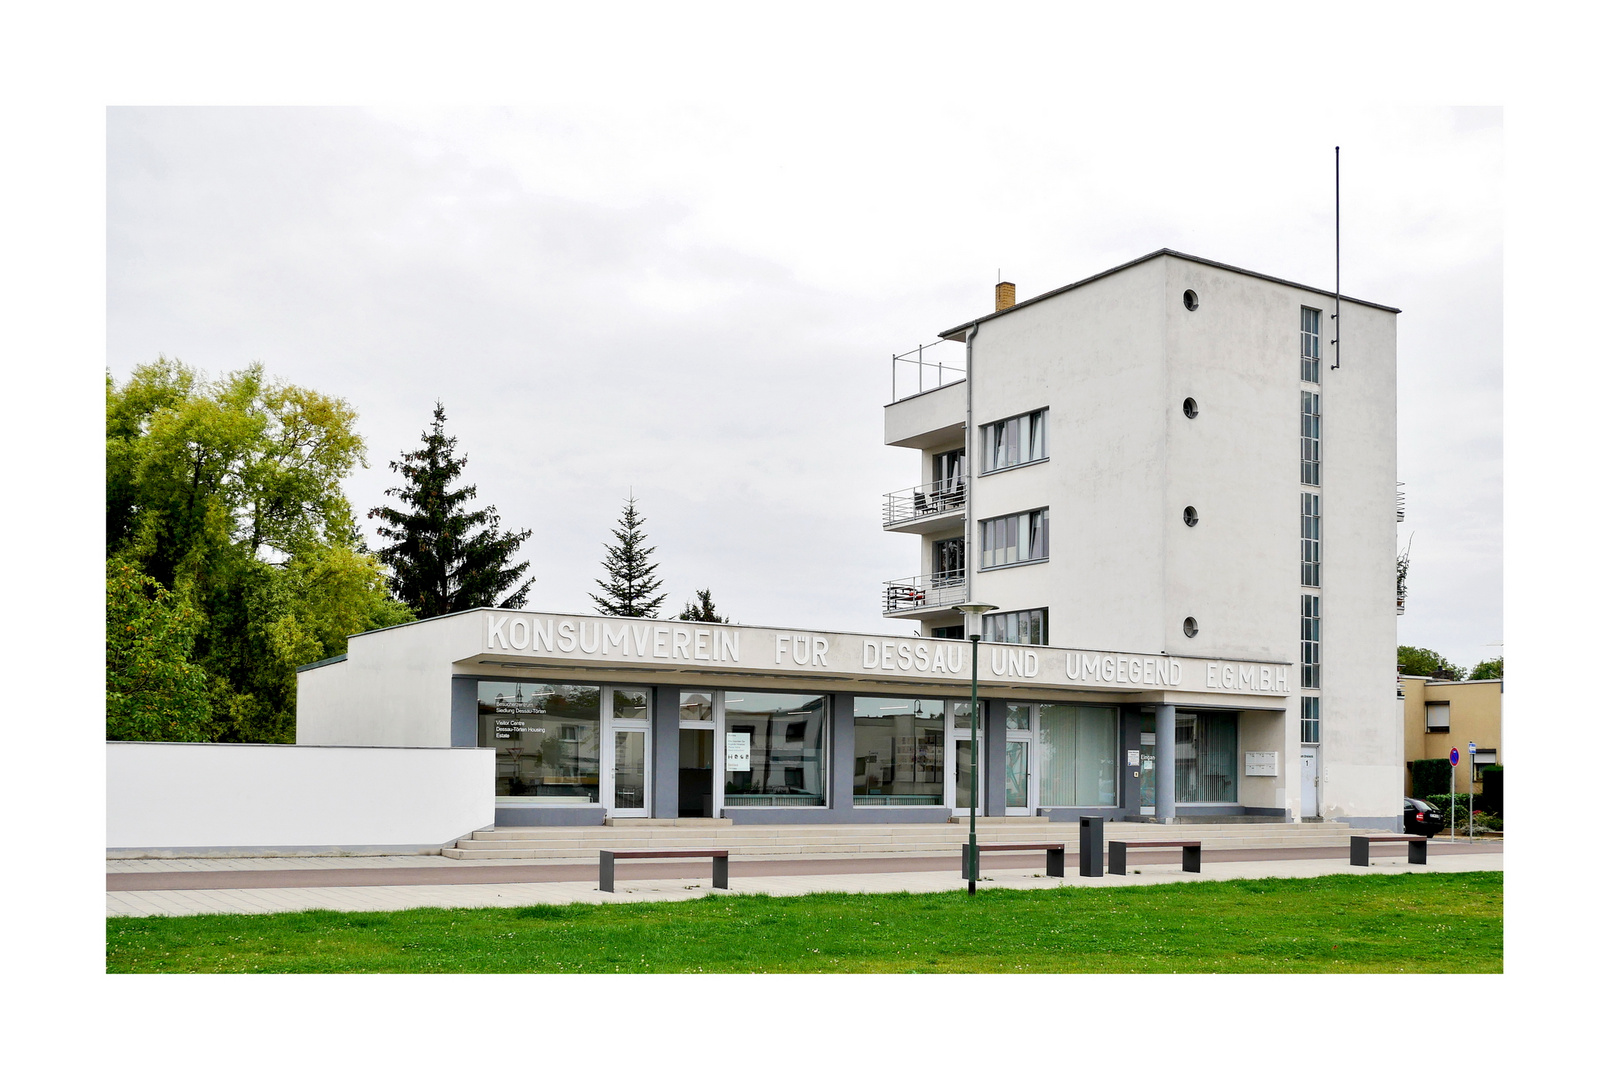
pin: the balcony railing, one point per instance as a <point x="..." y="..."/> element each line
<point x="924" y="368"/>
<point x="927" y="500"/>
<point x="925" y="591"/>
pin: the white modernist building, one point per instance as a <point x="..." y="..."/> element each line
<point x="1158" y="654"/>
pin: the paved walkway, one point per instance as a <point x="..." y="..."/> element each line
<point x="250" y="886"/>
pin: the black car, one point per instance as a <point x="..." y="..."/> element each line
<point x="1421" y="818"/>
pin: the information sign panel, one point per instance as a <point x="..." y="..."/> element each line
<point x="737" y="751"/>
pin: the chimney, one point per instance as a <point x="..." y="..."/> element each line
<point x="1005" y="295"/>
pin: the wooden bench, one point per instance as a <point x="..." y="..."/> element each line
<point x="606" y="862"/>
<point x="1418" y="848"/>
<point x="1055" y="855"/>
<point x="1117" y="853"/>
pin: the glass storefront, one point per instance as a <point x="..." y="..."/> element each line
<point x="775" y="749"/>
<point x="899" y="751"/>
<point x="1204" y="751"/>
<point x="547" y="737"/>
<point x="1078" y="755"/>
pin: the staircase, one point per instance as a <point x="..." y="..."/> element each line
<point x="582" y="844"/>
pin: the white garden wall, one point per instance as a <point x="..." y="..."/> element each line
<point x="261" y="799"/>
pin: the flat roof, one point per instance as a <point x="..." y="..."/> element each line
<point x="958" y="332"/>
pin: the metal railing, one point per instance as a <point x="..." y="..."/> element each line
<point x="924" y="591"/>
<point x="924" y="500"/>
<point x="924" y="369"/>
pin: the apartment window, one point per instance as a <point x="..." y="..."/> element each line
<point x="1310" y="550"/>
<point x="950" y="470"/>
<point x="1018" y="627"/>
<point x="1016" y="538"/>
<point x="1310" y="438"/>
<point x="1311" y="354"/>
<point x="1310" y="642"/>
<point x="1438" y="716"/>
<point x="956" y="632"/>
<point x="1016" y="441"/>
<point x="1310" y="720"/>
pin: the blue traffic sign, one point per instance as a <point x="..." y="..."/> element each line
<point x="1453" y="757"/>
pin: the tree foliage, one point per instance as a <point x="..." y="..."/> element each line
<point x="702" y="609"/>
<point x="227" y="494"/>
<point x="445" y="557"/>
<point x="1428" y="663"/>
<point x="631" y="588"/>
<point x="153" y="691"/>
<point x="1488" y="669"/>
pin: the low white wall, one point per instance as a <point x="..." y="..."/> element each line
<point x="261" y="798"/>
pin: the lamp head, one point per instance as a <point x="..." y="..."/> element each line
<point x="974" y="618"/>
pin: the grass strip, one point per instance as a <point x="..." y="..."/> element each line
<point x="1380" y="923"/>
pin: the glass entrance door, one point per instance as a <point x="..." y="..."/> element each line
<point x="958" y="781"/>
<point x="1148" y="765"/>
<point x="626" y="771"/>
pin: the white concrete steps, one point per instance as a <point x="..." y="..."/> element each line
<point x="805" y="841"/>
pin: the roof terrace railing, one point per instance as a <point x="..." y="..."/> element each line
<point x="924" y="500"/>
<point x="924" y="368"/>
<point x="925" y="591"/>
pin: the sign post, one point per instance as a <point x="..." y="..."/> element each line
<point x="1472" y="792"/>
<point x="1452" y="808"/>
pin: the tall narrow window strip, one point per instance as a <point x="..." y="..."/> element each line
<point x="1311" y="433"/>
<point x="1310" y="539"/>
<point x="1310" y="642"/>
<point x="1311" y="351"/>
<point x="1310" y="720"/>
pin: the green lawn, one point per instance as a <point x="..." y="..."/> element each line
<point x="1408" y="922"/>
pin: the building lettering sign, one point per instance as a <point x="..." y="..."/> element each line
<point x="584" y="641"/>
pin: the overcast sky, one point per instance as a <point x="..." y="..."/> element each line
<point x="697" y="303"/>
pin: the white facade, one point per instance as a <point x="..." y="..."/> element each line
<point x="1111" y="361"/>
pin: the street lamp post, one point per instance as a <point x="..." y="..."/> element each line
<point x="974" y="631"/>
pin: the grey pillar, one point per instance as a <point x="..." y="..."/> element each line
<point x="665" y="738"/>
<point x="1164" y="763"/>
<point x="465" y="711"/>
<point x="841" y="752"/>
<point x="992" y="735"/>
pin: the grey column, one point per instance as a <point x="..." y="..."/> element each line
<point x="665" y="740"/>
<point x="465" y="711"/>
<point x="841" y="753"/>
<point x="992" y="796"/>
<point x="1164" y="763"/>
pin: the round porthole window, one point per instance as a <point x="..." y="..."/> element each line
<point x="1190" y="301"/>
<point x="1190" y="409"/>
<point x="1191" y="517"/>
<point x="1190" y="627"/>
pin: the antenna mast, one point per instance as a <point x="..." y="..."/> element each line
<point x="1337" y="316"/>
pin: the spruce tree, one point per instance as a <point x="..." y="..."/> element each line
<point x="445" y="557"/>
<point x="631" y="589"/>
<point x="701" y="610"/>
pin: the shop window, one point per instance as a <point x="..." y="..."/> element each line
<point x="1077" y="755"/>
<point x="1204" y="752"/>
<point x="785" y="739"/>
<point x="899" y="751"/>
<point x="547" y="738"/>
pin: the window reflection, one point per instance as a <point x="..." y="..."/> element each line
<point x="785" y="739"/>
<point x="899" y="751"/>
<point x="546" y="736"/>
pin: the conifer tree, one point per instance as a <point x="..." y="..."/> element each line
<point x="701" y="609"/>
<point x="631" y="589"/>
<point x="445" y="557"/>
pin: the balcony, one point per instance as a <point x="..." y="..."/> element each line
<point x="926" y="508"/>
<point x="913" y="597"/>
